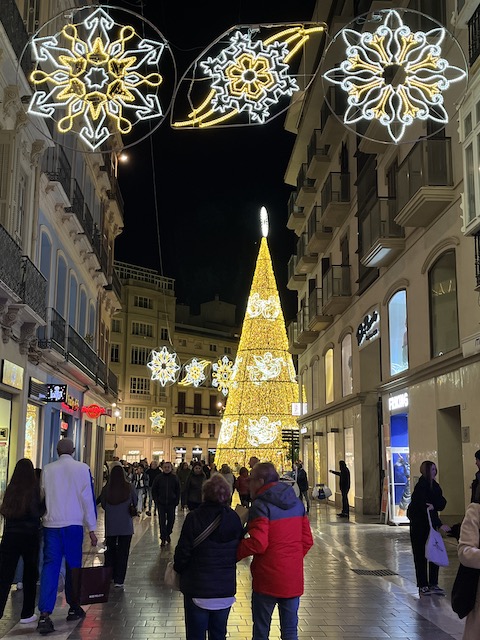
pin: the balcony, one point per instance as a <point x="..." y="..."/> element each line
<point x="295" y="280"/>
<point x="115" y="196"/>
<point x="337" y="291"/>
<point x="382" y="239"/>
<point x="57" y="168"/>
<point x="474" y="36"/>
<point x="425" y="183"/>
<point x="319" y="237"/>
<point x="16" y="33"/>
<point x="33" y="288"/>
<point x="53" y="337"/>
<point x="317" y="321"/>
<point x="112" y="383"/>
<point x="294" y="346"/>
<point x="101" y="253"/>
<point x="305" y="335"/>
<point x="296" y="214"/>
<point x="335" y="199"/>
<point x="331" y="125"/>
<point x="318" y="160"/>
<point x="306" y="190"/>
<point x="82" y="354"/>
<point x="306" y="261"/>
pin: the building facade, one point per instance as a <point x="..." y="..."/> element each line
<point x="387" y="326"/>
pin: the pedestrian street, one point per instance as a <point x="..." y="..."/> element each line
<point x="343" y="598"/>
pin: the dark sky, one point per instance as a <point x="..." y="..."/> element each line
<point x="210" y="183"/>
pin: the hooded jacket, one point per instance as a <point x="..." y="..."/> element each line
<point x="280" y="537"/>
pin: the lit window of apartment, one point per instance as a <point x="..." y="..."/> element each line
<point x="197" y="428"/>
<point x="116" y="325"/>
<point x="134" y="413"/>
<point x="134" y="428"/>
<point x="139" y="386"/>
<point x="143" y="302"/>
<point x="114" y="353"/>
<point x="211" y="429"/>
<point x="164" y="334"/>
<point x="328" y="363"/>
<point x="142" y="329"/>
<point x="213" y="347"/>
<point x="140" y="355"/>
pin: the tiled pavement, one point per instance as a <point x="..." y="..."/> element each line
<point x="338" y="603"/>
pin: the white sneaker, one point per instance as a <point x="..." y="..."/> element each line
<point x="118" y="586"/>
<point x="33" y="618"/>
<point x="19" y="586"/>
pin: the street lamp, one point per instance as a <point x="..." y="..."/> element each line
<point x="117" y="415"/>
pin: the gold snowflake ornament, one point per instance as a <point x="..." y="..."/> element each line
<point x="164" y="366"/>
<point x="158" y="421"/>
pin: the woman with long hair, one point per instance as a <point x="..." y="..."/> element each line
<point x="116" y="497"/>
<point x="427" y="495"/>
<point x="183" y="472"/>
<point x="22" y="509"/>
<point x="193" y="487"/>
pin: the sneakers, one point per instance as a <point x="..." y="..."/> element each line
<point x="75" y="613"/>
<point x="117" y="585"/>
<point x="424" y="591"/>
<point x="436" y="590"/>
<point x="19" y="586"/>
<point x="45" y="625"/>
<point x="342" y="515"/>
<point x="33" y="618"/>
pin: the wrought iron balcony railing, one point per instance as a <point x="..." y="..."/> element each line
<point x="54" y="334"/>
<point x="34" y="288"/>
<point x="474" y="36"/>
<point x="11" y="256"/>
<point x="16" y="33"/>
<point x="57" y="168"/>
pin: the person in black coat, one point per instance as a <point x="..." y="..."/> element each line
<point x="344" y="474"/>
<point x="426" y="495"/>
<point x="166" y="494"/>
<point x="302" y="482"/>
<point x="208" y="578"/>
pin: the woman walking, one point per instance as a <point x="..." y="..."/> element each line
<point x="193" y="487"/>
<point x="427" y="495"/>
<point x="116" y="497"/>
<point x="22" y="509"/>
<point x="207" y="567"/>
<point x="182" y="474"/>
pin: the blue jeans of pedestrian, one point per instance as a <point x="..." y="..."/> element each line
<point x="262" y="610"/>
<point x="64" y="542"/>
<point x="198" y="621"/>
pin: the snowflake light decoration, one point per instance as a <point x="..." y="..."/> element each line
<point x="97" y="74"/>
<point x="268" y="309"/>
<point x="266" y="367"/>
<point x="394" y="76"/>
<point x="164" y="366"/>
<point x="262" y="431"/>
<point x="195" y="372"/>
<point x="227" y="428"/>
<point x="158" y="421"/>
<point x="221" y="374"/>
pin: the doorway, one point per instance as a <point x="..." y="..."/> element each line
<point x="450" y="460"/>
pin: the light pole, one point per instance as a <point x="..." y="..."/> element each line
<point x="117" y="415"/>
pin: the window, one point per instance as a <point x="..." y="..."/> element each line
<point x="397" y="332"/>
<point x="82" y="316"/>
<point x="213" y="406"/>
<point x="142" y="302"/>
<point x="20" y="205"/>
<point x="116" y="325"/>
<point x="91" y="320"/>
<point x="197" y="403"/>
<point x="213" y="347"/>
<point x="134" y="428"/>
<point x="114" y="353"/>
<point x="442" y="286"/>
<point x="142" y="329"/>
<point x="182" y="342"/>
<point x="140" y="355"/>
<point x="197" y="428"/>
<point x="139" y="386"/>
<point x="45" y="256"/>
<point x="134" y="413"/>
<point x="164" y="334"/>
<point x="315" y="382"/>
<point x="181" y="401"/>
<point x="347" y="374"/>
<point x="228" y="350"/>
<point x="211" y="429"/>
<point x="328" y="358"/>
<point x="182" y="428"/>
<point x="61" y="288"/>
<point x="72" y="304"/>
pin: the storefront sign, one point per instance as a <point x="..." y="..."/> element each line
<point x="303" y="430"/>
<point x="397" y="402"/>
<point x="12" y="375"/>
<point x="56" y="393"/>
<point x="94" y="411"/>
<point x="299" y="408"/>
<point x="70" y="404"/>
<point x="369" y="329"/>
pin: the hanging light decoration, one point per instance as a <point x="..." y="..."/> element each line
<point x="158" y="420"/>
<point x="222" y="371"/>
<point x="165" y="366"/>
<point x="194" y="372"/>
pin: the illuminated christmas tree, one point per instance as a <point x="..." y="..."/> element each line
<point x="262" y="387"/>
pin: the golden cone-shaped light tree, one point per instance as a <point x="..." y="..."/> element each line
<point x="263" y="385"/>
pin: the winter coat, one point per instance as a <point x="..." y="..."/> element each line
<point x="118" y="521"/>
<point x="166" y="489"/>
<point x="475" y="497"/>
<point x="29" y="523"/>
<point x="209" y="570"/>
<point x="417" y="509"/>
<point x="280" y="537"/>
<point x="193" y="487"/>
<point x="302" y="480"/>
<point x="344" y="479"/>
<point x="469" y="555"/>
<point x="152" y="474"/>
<point x="242" y="485"/>
<point x="182" y="475"/>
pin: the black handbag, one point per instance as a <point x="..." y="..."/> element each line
<point x="464" y="591"/>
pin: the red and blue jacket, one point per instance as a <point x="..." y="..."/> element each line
<point x="279" y="538"/>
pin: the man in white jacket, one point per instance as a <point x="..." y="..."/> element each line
<point x="70" y="501"/>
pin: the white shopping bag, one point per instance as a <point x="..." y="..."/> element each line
<point x="435" y="547"/>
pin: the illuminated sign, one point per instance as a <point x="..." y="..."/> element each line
<point x="299" y="408"/>
<point x="71" y="404"/>
<point x="303" y="430"/>
<point x="94" y="411"/>
<point x="397" y="402"/>
<point x="12" y="375"/>
<point x="56" y="393"/>
<point x="369" y="329"/>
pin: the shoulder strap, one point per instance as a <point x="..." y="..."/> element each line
<point x="429" y="518"/>
<point x="210" y="529"/>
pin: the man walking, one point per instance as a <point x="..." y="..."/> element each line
<point x="302" y="481"/>
<point x="279" y="538"/>
<point x="166" y="494"/>
<point x="70" y="502"/>
<point x="152" y="473"/>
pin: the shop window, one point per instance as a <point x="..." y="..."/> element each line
<point x="398" y="332"/>
<point x="347" y="374"/>
<point x="328" y="360"/>
<point x="442" y="286"/>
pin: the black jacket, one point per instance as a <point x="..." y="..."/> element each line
<point x="166" y="489"/>
<point x="417" y="509"/>
<point x="209" y="570"/>
<point x="344" y="479"/>
<point x="30" y="522"/>
<point x="302" y="480"/>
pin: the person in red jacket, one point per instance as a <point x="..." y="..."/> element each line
<point x="279" y="538"/>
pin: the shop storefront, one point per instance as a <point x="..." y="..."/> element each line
<point x="11" y="386"/>
<point x="397" y="456"/>
<point x="62" y="419"/>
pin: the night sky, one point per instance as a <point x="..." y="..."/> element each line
<point x="210" y="183"/>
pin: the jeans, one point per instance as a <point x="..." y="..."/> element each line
<point x="262" y="610"/>
<point x="139" y="500"/>
<point x="198" y="621"/>
<point x="150" y="500"/>
<point x="345" y="505"/>
<point x="116" y="556"/>
<point x="166" y="519"/>
<point x="59" y="543"/>
<point x="14" y="546"/>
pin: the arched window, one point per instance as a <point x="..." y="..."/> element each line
<point x="398" y="332"/>
<point x="315" y="385"/>
<point x="442" y="288"/>
<point x="91" y="320"/>
<point x="72" y="304"/>
<point x="61" y="286"/>
<point x="45" y="256"/>
<point x="328" y="358"/>
<point x="82" y="317"/>
<point x="347" y="373"/>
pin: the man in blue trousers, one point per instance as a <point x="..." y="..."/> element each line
<point x="70" y="501"/>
